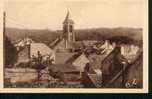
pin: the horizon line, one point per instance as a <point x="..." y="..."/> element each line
<point x="74" y="29"/>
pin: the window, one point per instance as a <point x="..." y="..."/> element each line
<point x="65" y="29"/>
<point x="71" y="28"/>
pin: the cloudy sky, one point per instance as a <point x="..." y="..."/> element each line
<point x="42" y="14"/>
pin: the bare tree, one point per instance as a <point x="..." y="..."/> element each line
<point x="37" y="63"/>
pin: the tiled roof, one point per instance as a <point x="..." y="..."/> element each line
<point x="95" y="80"/>
<point x="137" y="62"/>
<point x="62" y="58"/>
<point x="44" y="49"/>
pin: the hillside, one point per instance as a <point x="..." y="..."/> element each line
<point x="134" y="33"/>
<point x="47" y="36"/>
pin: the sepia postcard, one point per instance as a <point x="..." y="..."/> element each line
<point x="74" y="46"/>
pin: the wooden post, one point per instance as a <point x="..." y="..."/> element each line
<point x="4" y="19"/>
<point x="4" y="15"/>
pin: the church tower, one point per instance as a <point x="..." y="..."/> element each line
<point x="68" y="31"/>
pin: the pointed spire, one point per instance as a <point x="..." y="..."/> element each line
<point x="68" y="18"/>
<point x="68" y="14"/>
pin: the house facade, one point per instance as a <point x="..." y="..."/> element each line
<point x="31" y="50"/>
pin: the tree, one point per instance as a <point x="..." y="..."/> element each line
<point x="38" y="64"/>
<point x="10" y="53"/>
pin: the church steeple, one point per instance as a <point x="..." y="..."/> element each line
<point x="68" y="30"/>
<point x="68" y="19"/>
<point x="67" y="16"/>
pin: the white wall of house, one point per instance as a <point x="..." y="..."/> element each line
<point x="81" y="62"/>
<point x="129" y="51"/>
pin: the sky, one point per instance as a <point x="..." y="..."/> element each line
<point x="49" y="14"/>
